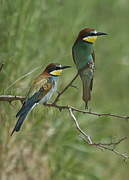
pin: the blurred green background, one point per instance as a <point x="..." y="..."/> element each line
<point x="35" y="33"/>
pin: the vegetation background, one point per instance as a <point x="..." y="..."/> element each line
<point x="35" y="33"/>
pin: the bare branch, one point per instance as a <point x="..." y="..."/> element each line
<point x="87" y="112"/>
<point x="103" y="146"/>
<point x="10" y="98"/>
<point x="115" y="143"/>
<point x="89" y="141"/>
<point x="66" y="87"/>
<point x="107" y="147"/>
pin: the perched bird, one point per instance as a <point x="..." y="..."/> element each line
<point x="84" y="59"/>
<point x="40" y="92"/>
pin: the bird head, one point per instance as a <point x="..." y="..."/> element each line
<point x="89" y="35"/>
<point x="55" y="69"/>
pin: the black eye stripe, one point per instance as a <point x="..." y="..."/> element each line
<point x="90" y="34"/>
<point x="50" y="69"/>
<point x="58" y="68"/>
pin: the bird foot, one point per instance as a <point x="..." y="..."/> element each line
<point x="87" y="108"/>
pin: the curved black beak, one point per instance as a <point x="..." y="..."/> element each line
<point x="100" y="34"/>
<point x="64" y="67"/>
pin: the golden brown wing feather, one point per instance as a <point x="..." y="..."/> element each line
<point x="38" y="83"/>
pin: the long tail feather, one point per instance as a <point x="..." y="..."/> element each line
<point x="22" y="116"/>
<point x="25" y="109"/>
<point x="86" y="93"/>
<point x="19" y="123"/>
<point x="21" y="110"/>
<point x="28" y="103"/>
<point x="87" y="82"/>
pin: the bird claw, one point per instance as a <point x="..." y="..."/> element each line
<point x="86" y="106"/>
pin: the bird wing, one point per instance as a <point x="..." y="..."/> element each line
<point x="93" y="56"/>
<point x="37" y="91"/>
<point x="80" y="56"/>
<point x="40" y="83"/>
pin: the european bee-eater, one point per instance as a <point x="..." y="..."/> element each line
<point x="84" y="58"/>
<point x="40" y="92"/>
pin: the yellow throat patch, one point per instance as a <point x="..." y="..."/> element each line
<point x="90" y="39"/>
<point x="56" y="72"/>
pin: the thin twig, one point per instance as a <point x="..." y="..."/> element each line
<point x="103" y="146"/>
<point x="1" y="67"/>
<point x="89" y="141"/>
<point x="107" y="147"/>
<point x="114" y="143"/>
<point x="20" y="78"/>
<point x="87" y="112"/>
<point x="66" y="87"/>
<point x="100" y="114"/>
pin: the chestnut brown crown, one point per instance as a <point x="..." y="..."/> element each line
<point x="89" y="35"/>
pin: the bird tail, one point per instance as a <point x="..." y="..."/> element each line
<point x="22" y="114"/>
<point x="87" y="82"/>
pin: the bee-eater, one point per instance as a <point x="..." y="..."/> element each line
<point x="40" y="92"/>
<point x="84" y="59"/>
